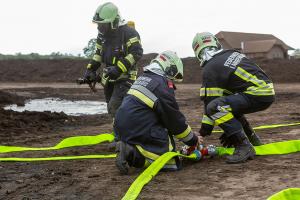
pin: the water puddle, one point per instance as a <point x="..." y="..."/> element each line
<point x="74" y="108"/>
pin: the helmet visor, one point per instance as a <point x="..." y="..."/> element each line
<point x="178" y="77"/>
<point x="173" y="73"/>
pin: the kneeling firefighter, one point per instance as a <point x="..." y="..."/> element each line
<point x="118" y="48"/>
<point x="232" y="85"/>
<point x="149" y="116"/>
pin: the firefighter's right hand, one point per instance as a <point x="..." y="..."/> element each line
<point x="90" y="76"/>
<point x="205" y="130"/>
<point x="113" y="72"/>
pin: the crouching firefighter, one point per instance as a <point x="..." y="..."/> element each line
<point x="149" y="116"/>
<point x="118" y="48"/>
<point x="232" y="85"/>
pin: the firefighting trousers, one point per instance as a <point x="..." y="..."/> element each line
<point x="226" y="111"/>
<point x="141" y="157"/>
<point x="114" y="93"/>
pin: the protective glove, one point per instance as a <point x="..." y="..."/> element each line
<point x="90" y="75"/>
<point x="113" y="72"/>
<point x="206" y="130"/>
<point x="225" y="141"/>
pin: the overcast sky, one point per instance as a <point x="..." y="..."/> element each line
<point x="45" y="26"/>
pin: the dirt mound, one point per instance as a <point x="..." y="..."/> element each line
<point x="9" y="98"/>
<point x="13" y="124"/>
<point x="65" y="70"/>
<point x="282" y="71"/>
<point x="68" y="70"/>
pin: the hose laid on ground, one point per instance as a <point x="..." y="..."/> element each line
<point x="287" y="194"/>
<point x="284" y="147"/>
<point x="97" y="139"/>
<point x="65" y="143"/>
<point x="16" y="159"/>
<point x="146" y="176"/>
<point x="267" y="126"/>
<point x="276" y="148"/>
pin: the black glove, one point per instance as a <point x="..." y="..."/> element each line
<point x="90" y="76"/>
<point x="206" y="130"/>
<point x="225" y="141"/>
<point x="113" y="72"/>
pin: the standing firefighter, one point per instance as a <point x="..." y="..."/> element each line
<point x="149" y="116"/>
<point x="118" y="47"/>
<point x="232" y="86"/>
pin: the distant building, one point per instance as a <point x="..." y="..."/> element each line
<point x="296" y="54"/>
<point x="254" y="45"/>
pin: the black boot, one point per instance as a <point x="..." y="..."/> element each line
<point x="253" y="138"/>
<point x="112" y="146"/>
<point x="124" y="153"/>
<point x="243" y="149"/>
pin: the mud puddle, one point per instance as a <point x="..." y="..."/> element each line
<point x="73" y="108"/>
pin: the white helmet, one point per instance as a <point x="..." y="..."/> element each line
<point x="204" y="40"/>
<point x="171" y="64"/>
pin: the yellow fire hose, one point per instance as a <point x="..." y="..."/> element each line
<point x="97" y="139"/>
<point x="65" y="143"/>
<point x="276" y="148"/>
<point x="267" y="126"/>
<point x="287" y="194"/>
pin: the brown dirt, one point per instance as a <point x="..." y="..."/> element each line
<point x="68" y="70"/>
<point x="99" y="179"/>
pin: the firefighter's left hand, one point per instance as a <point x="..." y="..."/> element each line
<point x="113" y="72"/>
<point x="205" y="130"/>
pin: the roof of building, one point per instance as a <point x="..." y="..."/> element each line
<point x="259" y="46"/>
<point x="253" y="42"/>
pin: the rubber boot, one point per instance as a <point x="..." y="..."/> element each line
<point x="112" y="146"/>
<point x="243" y="149"/>
<point x="124" y="153"/>
<point x="253" y="138"/>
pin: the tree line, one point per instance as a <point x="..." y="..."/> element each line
<point x="36" y="56"/>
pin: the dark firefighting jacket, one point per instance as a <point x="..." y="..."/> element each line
<point x="121" y="48"/>
<point x="149" y="116"/>
<point x="230" y="72"/>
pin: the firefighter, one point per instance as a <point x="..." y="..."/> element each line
<point x="118" y="48"/>
<point x="232" y="85"/>
<point x="149" y="116"/>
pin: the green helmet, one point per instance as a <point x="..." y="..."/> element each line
<point x="202" y="41"/>
<point x="107" y="13"/>
<point x="171" y="64"/>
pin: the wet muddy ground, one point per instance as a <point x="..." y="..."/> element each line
<point x="99" y="179"/>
